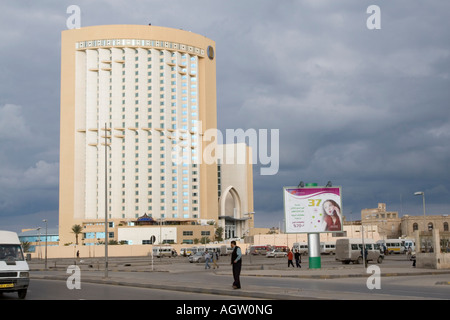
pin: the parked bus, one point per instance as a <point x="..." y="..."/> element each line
<point x="163" y="251"/>
<point x="302" y="247"/>
<point x="328" y="247"/>
<point x="220" y="248"/>
<point x="394" y="246"/>
<point x="259" y="249"/>
<point x="188" y="251"/>
<point x="280" y="248"/>
<point x="349" y="250"/>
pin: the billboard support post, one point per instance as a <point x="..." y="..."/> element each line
<point x="315" y="261"/>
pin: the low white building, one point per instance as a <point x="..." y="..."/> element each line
<point x="147" y="235"/>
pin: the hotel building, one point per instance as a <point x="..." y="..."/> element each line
<point x="135" y="101"/>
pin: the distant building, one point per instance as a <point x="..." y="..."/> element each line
<point x="429" y="223"/>
<point x="387" y="222"/>
<point x="390" y="225"/>
<point x="146" y="94"/>
<point x="37" y="238"/>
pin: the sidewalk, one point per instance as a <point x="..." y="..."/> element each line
<point x="194" y="278"/>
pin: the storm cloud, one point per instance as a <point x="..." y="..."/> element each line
<point x="366" y="109"/>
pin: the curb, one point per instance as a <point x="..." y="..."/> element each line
<point x="215" y="291"/>
<point x="341" y="276"/>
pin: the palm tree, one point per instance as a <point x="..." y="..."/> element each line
<point x="77" y="229"/>
<point x="26" y="246"/>
<point x="219" y="233"/>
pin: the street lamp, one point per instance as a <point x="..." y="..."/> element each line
<point x="421" y="193"/>
<point x="46" y="239"/>
<point x="106" y="197"/>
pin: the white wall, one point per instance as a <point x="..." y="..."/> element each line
<point x="135" y="236"/>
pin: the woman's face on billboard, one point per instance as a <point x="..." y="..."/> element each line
<point x="329" y="207"/>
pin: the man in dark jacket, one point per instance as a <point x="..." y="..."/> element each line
<point x="298" y="258"/>
<point x="236" y="262"/>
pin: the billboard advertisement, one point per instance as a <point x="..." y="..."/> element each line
<point x="313" y="209"/>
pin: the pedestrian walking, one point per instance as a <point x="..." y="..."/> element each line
<point x="298" y="258"/>
<point x="236" y="262"/>
<point x="207" y="260"/>
<point x="215" y="257"/>
<point x="290" y="257"/>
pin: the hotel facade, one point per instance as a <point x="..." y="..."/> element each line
<point x="135" y="102"/>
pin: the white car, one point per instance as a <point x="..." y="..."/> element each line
<point x="197" y="257"/>
<point x="276" y="254"/>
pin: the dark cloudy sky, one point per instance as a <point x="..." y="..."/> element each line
<point x="367" y="109"/>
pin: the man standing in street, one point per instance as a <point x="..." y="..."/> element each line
<point x="236" y="262"/>
<point x="298" y="258"/>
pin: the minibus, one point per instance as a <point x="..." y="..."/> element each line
<point x="14" y="270"/>
<point x="302" y="247"/>
<point x="328" y="247"/>
<point x="163" y="251"/>
<point x="394" y="246"/>
<point x="349" y="250"/>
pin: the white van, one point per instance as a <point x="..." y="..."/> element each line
<point x="163" y="251"/>
<point x="328" y="247"/>
<point x="187" y="252"/>
<point x="349" y="250"/>
<point x="14" y="270"/>
<point x="220" y="248"/>
<point x="302" y="247"/>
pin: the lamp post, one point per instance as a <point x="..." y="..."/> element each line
<point x="46" y="237"/>
<point x="421" y="193"/>
<point x="106" y="199"/>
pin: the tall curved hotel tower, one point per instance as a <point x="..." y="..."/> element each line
<point x="141" y="92"/>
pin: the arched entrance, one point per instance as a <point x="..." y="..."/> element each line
<point x="231" y="213"/>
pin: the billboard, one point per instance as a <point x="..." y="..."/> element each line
<point x="313" y="209"/>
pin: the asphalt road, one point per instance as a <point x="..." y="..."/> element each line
<point x="57" y="290"/>
<point x="392" y="287"/>
<point x="419" y="287"/>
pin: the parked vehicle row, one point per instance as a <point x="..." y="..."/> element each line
<point x="388" y="246"/>
<point x="221" y="248"/>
